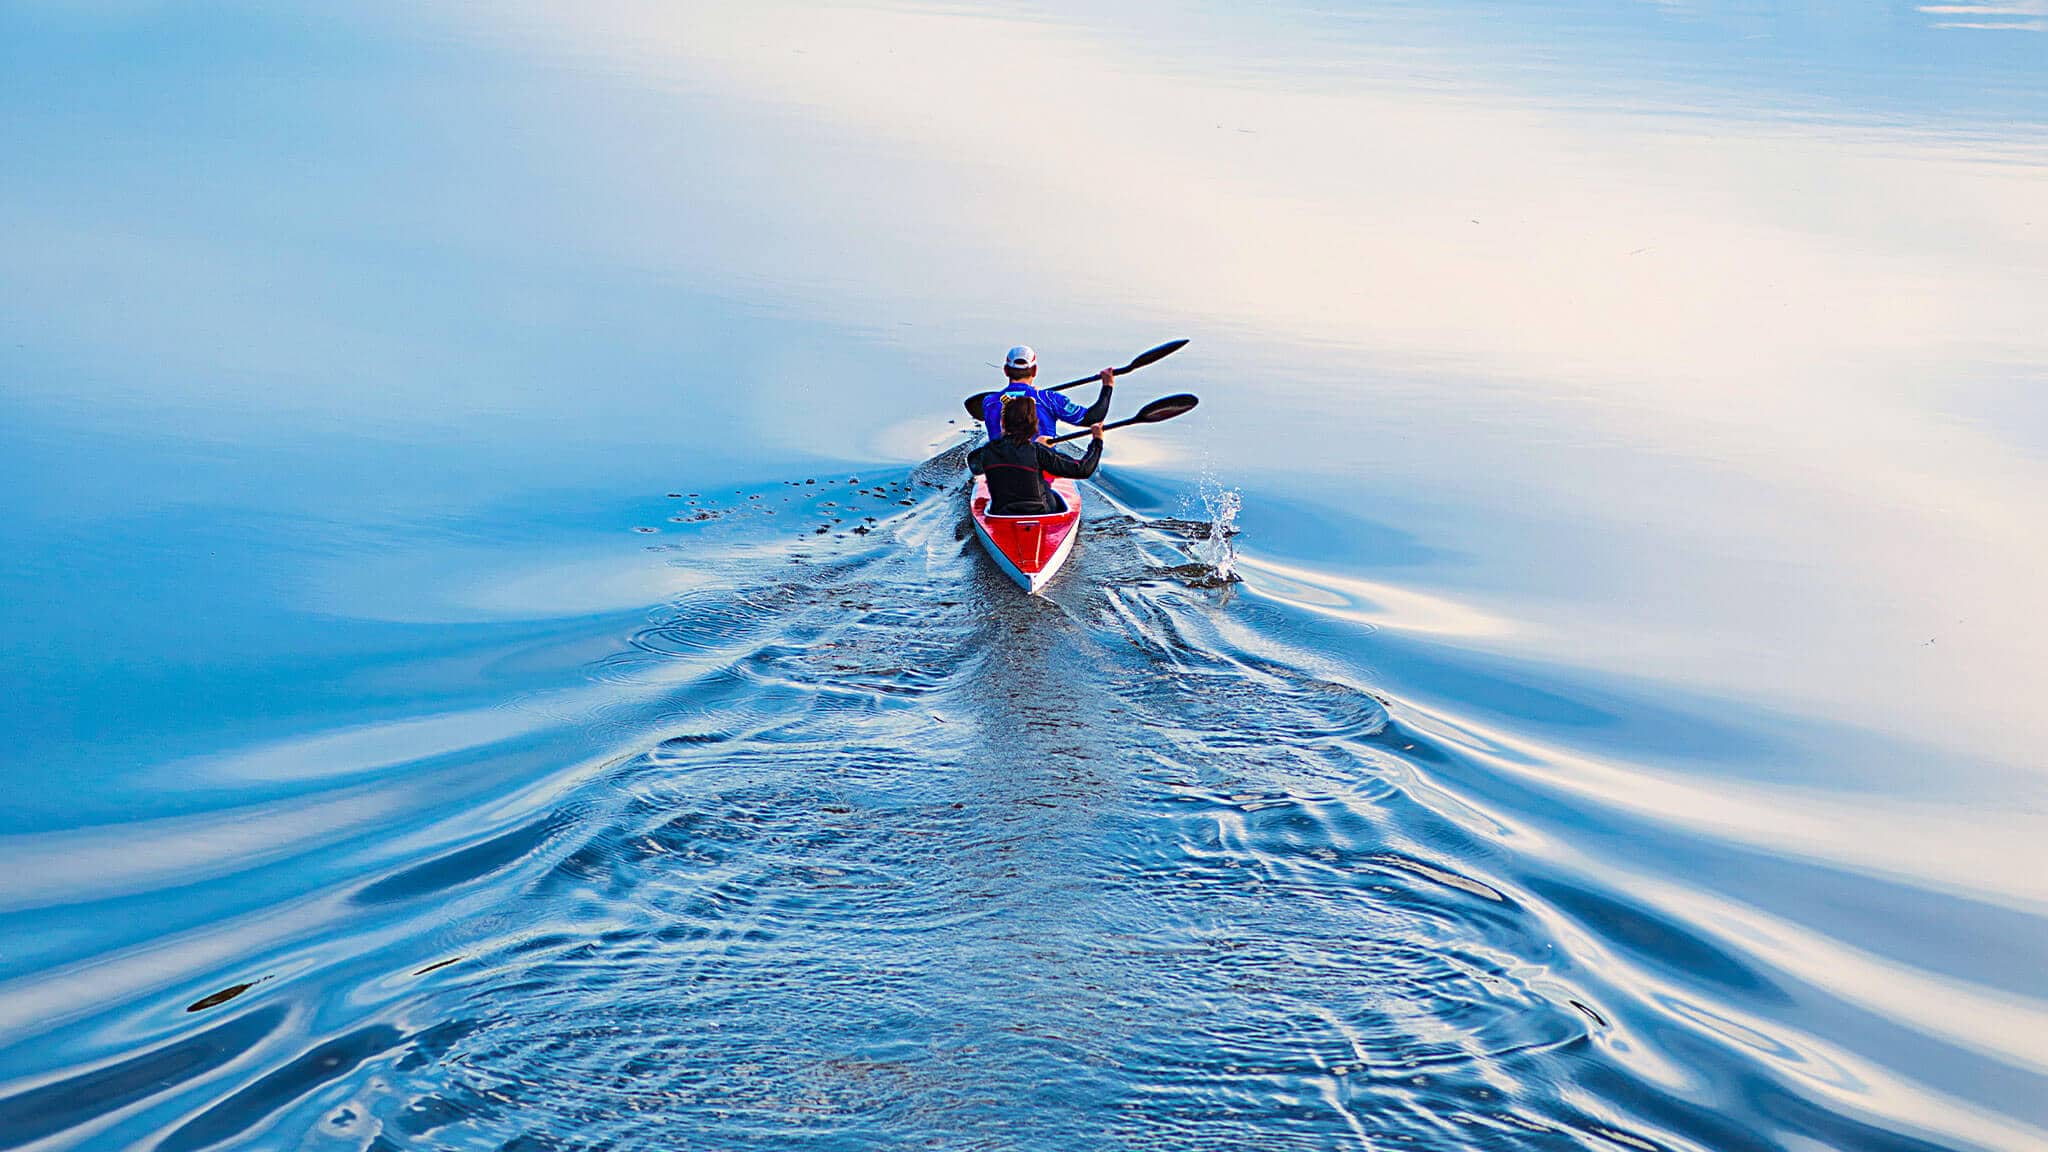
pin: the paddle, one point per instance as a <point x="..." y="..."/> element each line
<point x="1164" y="408"/>
<point x="1152" y="356"/>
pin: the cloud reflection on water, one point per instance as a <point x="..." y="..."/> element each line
<point x="1654" y="390"/>
<point x="1785" y="309"/>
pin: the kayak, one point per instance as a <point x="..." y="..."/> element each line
<point x="1029" y="549"/>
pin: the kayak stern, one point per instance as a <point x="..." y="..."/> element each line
<point x="1029" y="549"/>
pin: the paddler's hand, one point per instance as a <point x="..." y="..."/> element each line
<point x="1109" y="377"/>
<point x="1095" y="430"/>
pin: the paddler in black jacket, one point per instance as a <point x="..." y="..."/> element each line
<point x="1017" y="465"/>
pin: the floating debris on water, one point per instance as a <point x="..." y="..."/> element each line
<point x="216" y="999"/>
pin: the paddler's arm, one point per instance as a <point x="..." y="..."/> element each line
<point x="1099" y="411"/>
<point x="975" y="458"/>
<point x="1061" y="464"/>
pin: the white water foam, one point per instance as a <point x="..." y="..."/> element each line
<point x="1217" y="506"/>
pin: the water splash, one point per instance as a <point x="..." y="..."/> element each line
<point x="1211" y="523"/>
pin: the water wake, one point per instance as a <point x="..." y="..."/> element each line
<point x="872" y="851"/>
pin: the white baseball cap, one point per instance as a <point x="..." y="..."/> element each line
<point x="1021" y="358"/>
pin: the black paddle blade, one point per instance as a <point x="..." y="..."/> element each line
<point x="974" y="403"/>
<point x="1165" y="408"/>
<point x="1153" y="356"/>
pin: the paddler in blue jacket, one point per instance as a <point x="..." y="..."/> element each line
<point x="1021" y="366"/>
<point x="1018" y="465"/>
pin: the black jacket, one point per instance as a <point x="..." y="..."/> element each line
<point x="1016" y="471"/>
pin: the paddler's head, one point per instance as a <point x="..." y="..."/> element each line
<point x="1021" y="363"/>
<point x="1020" y="417"/>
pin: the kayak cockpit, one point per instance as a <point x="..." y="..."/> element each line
<point x="1059" y="508"/>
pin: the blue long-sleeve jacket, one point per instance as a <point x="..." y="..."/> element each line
<point x="1053" y="409"/>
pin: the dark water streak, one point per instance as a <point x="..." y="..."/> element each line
<point x="845" y="863"/>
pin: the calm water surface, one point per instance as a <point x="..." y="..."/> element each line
<point x="492" y="658"/>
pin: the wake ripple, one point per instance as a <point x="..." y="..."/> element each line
<point x="882" y="854"/>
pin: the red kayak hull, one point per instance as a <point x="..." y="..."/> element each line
<point x="1029" y="549"/>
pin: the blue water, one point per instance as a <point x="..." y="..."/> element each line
<point x="1573" y="682"/>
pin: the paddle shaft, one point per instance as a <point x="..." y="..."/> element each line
<point x="1150" y="414"/>
<point x="1105" y="428"/>
<point x="974" y="403"/>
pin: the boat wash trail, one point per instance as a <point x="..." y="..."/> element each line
<point x="848" y="842"/>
